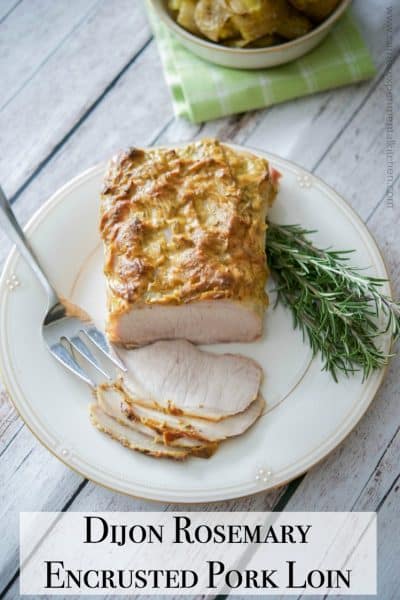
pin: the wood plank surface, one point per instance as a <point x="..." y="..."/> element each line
<point x="10" y="423"/>
<point x="30" y="35"/>
<point x="69" y="85"/>
<point x="7" y="7"/>
<point x="220" y="125"/>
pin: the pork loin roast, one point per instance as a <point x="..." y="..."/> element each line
<point x="184" y="240"/>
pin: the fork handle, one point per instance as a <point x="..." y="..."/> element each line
<point x="13" y="230"/>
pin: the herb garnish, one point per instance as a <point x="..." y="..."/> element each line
<point x="338" y="309"/>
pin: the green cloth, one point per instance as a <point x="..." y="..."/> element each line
<point x="202" y="91"/>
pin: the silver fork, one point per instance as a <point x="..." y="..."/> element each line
<point x="65" y="336"/>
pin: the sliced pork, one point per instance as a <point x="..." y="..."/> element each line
<point x="195" y="428"/>
<point x="132" y="439"/>
<point x="178" y="378"/>
<point x="111" y="401"/>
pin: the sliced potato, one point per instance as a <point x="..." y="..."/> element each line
<point x="174" y="4"/>
<point x="185" y="16"/>
<point x="212" y="18"/>
<point x="291" y="23"/>
<point x="254" y="25"/>
<point x="265" y="41"/>
<point x="241" y="7"/>
<point x="250" y="23"/>
<point x="316" y="9"/>
<point x="236" y="42"/>
<point x="274" y="17"/>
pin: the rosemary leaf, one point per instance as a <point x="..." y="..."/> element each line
<point x="339" y="310"/>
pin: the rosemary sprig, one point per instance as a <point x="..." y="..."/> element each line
<point x="340" y="310"/>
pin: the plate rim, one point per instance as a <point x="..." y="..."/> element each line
<point x="306" y="462"/>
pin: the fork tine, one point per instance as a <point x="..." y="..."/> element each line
<point x="66" y="359"/>
<point x="100" y="340"/>
<point x="80" y="346"/>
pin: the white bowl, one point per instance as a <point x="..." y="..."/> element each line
<point x="249" y="58"/>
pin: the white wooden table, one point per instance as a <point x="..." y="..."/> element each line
<point x="82" y="78"/>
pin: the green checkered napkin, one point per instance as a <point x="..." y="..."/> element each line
<point x="202" y="91"/>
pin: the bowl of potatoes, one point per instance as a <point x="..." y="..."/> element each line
<point x="250" y="34"/>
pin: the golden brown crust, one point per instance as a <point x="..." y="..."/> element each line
<point x="185" y="225"/>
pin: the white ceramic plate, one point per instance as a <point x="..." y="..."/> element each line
<point x="308" y="414"/>
<point x="249" y="58"/>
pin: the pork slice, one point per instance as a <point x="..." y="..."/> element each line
<point x="178" y="378"/>
<point x="111" y="401"/>
<point x="135" y="440"/>
<point x="205" y="322"/>
<point x="195" y="428"/>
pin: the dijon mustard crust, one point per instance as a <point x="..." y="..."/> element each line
<point x="185" y="225"/>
